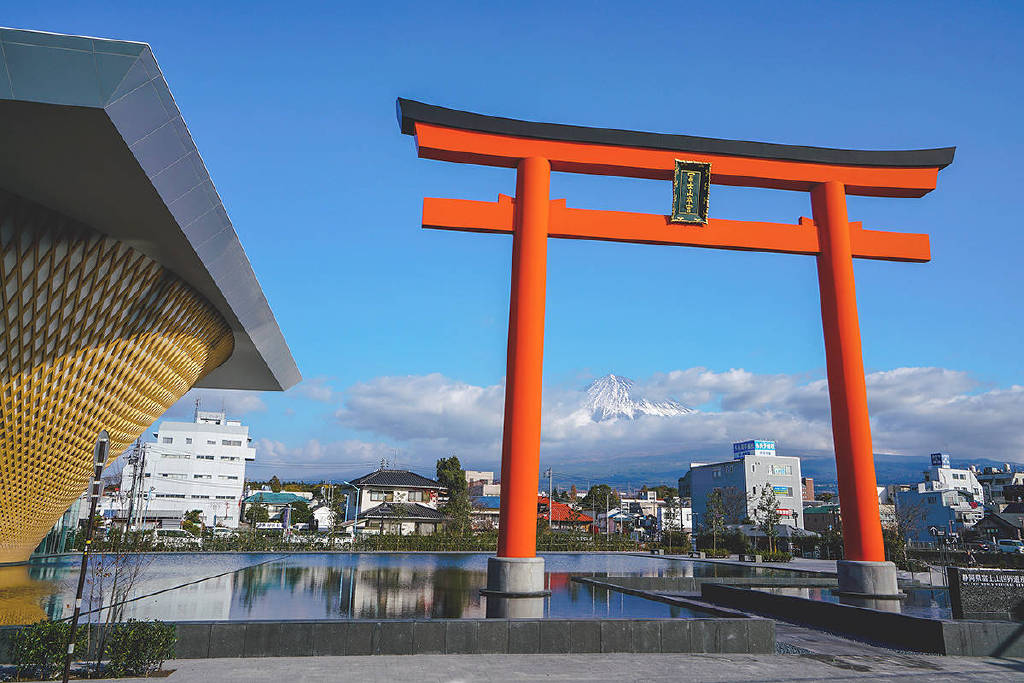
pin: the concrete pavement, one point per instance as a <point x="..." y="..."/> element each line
<point x="597" y="667"/>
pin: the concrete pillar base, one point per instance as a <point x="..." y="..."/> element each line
<point x="868" y="580"/>
<point x="515" y="587"/>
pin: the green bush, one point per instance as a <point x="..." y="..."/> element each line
<point x="777" y="556"/>
<point x="38" y="650"/>
<point x="139" y="648"/>
<point x="721" y="552"/>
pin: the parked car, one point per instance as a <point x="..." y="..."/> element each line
<point x="1008" y="545"/>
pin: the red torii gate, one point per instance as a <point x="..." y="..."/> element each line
<point x="536" y="149"/>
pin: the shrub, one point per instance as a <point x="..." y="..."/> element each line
<point x="721" y="552"/>
<point x="38" y="650"/>
<point x="777" y="556"/>
<point x="139" y="648"/>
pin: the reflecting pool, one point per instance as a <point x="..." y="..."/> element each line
<point x="244" y="586"/>
<point x="930" y="602"/>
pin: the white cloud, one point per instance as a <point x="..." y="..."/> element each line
<point x="314" y="459"/>
<point x="914" y="411"/>
<point x="315" y="389"/>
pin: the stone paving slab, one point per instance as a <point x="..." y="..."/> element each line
<point x="596" y="667"/>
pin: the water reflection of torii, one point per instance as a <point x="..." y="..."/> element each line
<point x="828" y="175"/>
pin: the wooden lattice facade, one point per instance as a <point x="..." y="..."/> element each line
<point x="93" y="335"/>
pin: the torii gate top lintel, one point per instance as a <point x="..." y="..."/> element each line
<point x="828" y="175"/>
<point x="461" y="136"/>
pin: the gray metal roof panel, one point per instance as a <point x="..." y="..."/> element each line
<point x="90" y="129"/>
<point x="395" y="478"/>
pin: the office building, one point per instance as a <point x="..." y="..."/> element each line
<point x="754" y="466"/>
<point x="198" y="465"/>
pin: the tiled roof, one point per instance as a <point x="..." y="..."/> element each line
<point x="561" y="512"/>
<point x="282" y="498"/>
<point x="396" y="478"/>
<point x="396" y="511"/>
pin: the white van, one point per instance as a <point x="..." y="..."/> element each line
<point x="1007" y="545"/>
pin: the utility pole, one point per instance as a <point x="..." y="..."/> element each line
<point x="99" y="458"/>
<point x="551" y="501"/>
<point x="607" y="522"/>
<point x="133" y="460"/>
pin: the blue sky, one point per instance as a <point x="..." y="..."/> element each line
<point x="292" y="108"/>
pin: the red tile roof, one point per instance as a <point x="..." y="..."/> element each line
<point x="561" y="512"/>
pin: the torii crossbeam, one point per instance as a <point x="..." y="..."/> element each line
<point x="536" y="149"/>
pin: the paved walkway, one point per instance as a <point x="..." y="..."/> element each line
<point x="596" y="667"/>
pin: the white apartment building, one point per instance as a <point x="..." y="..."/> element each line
<point x="198" y="465"/>
<point x="941" y="477"/>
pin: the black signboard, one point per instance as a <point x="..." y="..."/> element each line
<point x="691" y="186"/>
<point x="986" y="593"/>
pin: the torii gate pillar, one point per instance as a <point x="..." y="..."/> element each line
<point x="516" y="570"/>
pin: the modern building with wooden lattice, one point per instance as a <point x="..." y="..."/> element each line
<point x="122" y="280"/>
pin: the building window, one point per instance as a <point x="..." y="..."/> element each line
<point x="167" y="439"/>
<point x="229" y="442"/>
<point x="384" y="496"/>
<point x="225" y="497"/>
<point x="228" y="476"/>
<point x="211" y="442"/>
<point x="202" y="476"/>
<point x="170" y="495"/>
<point x="169" y="475"/>
<point x="188" y="439"/>
<point x="419" y="496"/>
<point x="780" y="470"/>
<point x="200" y="496"/>
<point x="232" y="458"/>
<point x="716" y="474"/>
<point x="174" y="456"/>
<point x="204" y="457"/>
<point x="932" y="500"/>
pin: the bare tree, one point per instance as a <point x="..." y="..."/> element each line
<point x="766" y="513"/>
<point x="734" y="504"/>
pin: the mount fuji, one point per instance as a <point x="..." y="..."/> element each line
<point x="611" y="397"/>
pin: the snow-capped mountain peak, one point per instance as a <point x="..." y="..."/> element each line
<point x="611" y="397"/>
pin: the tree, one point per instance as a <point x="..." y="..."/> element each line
<point x="275" y="484"/>
<point x="599" y="497"/>
<point x="338" y="504"/>
<point x="909" y="517"/>
<point x="766" y="513"/>
<point x="301" y="514"/>
<point x="825" y="496"/>
<point x="256" y="513"/>
<point x="714" y="517"/>
<point x="192" y="522"/>
<point x="670" y="514"/>
<point x="734" y="505"/>
<point x="458" y="509"/>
